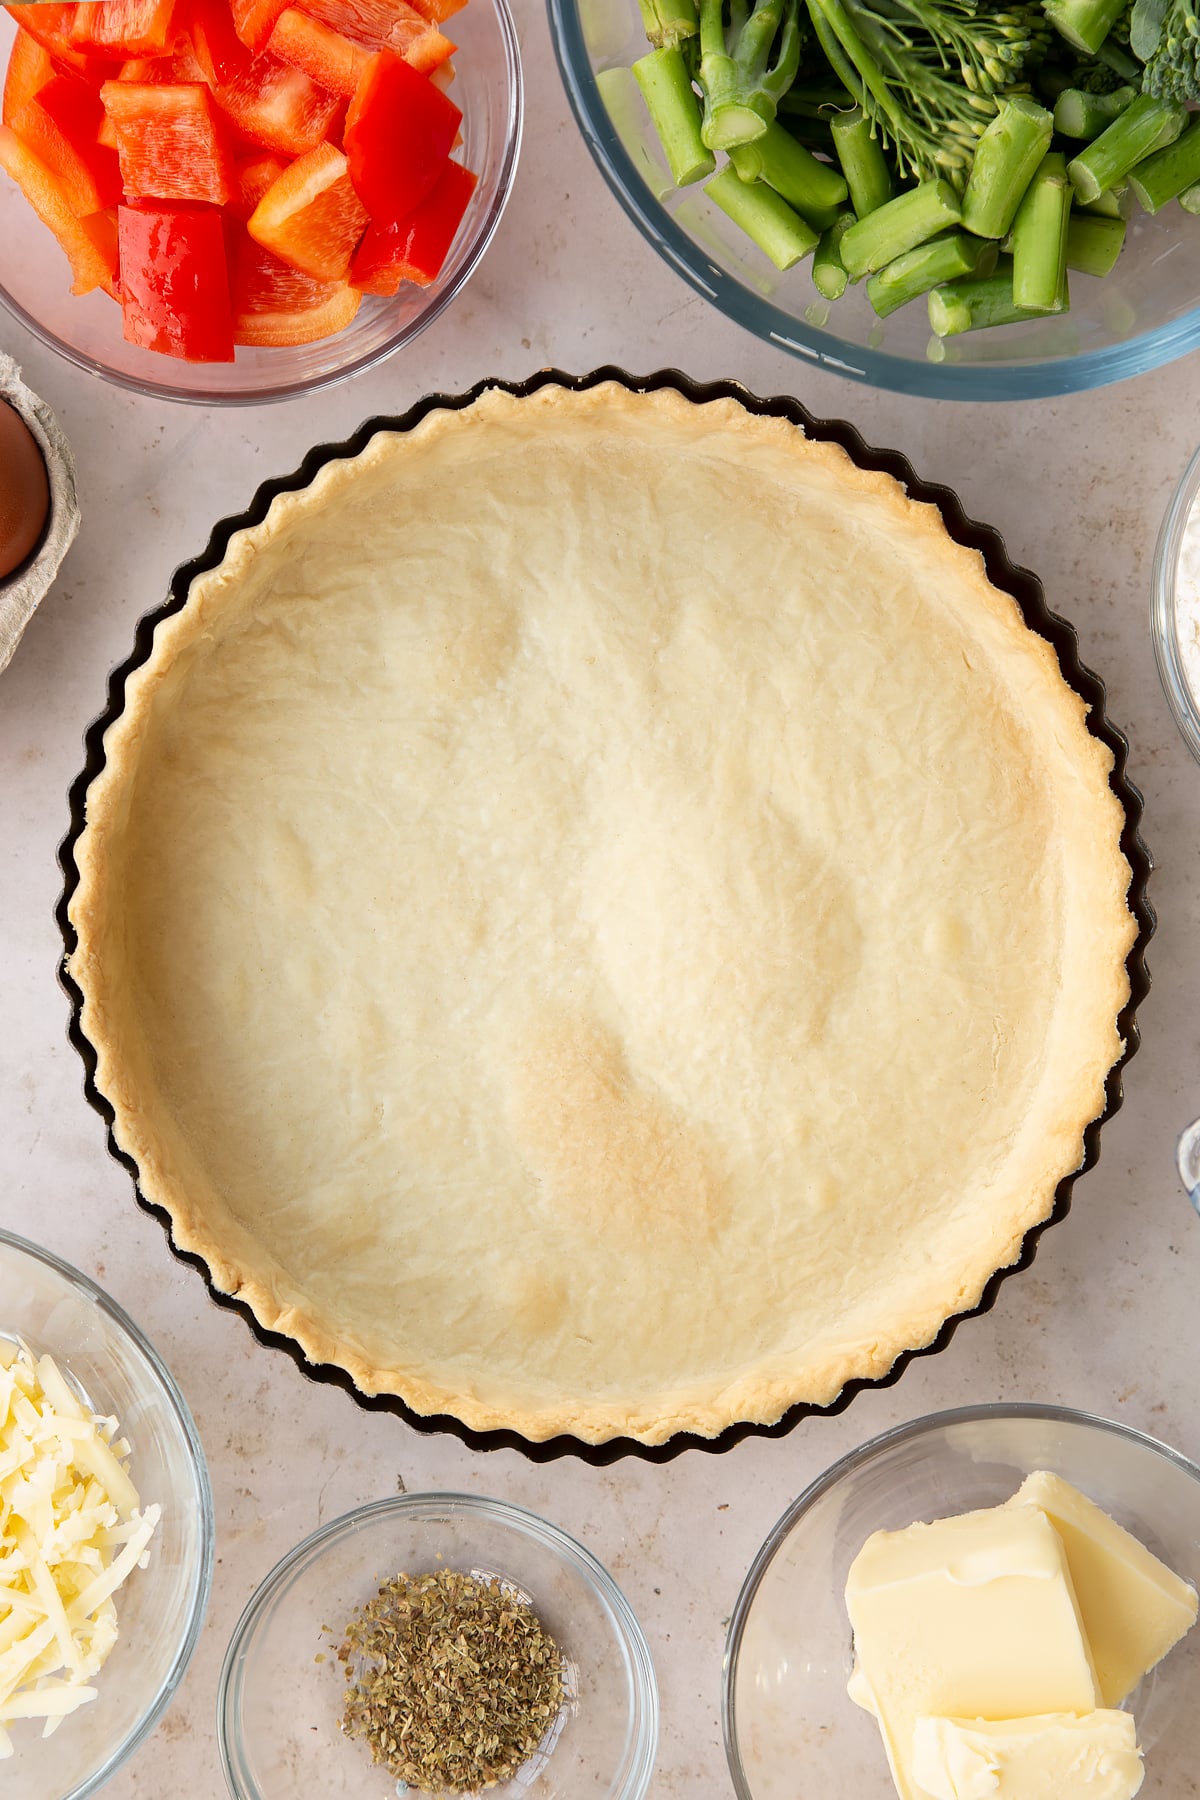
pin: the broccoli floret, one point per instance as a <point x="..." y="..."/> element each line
<point x="1173" y="64"/>
<point x="928" y="72"/>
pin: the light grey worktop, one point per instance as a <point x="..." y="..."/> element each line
<point x="1107" y="1317"/>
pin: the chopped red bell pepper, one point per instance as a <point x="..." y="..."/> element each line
<point x="414" y="249"/>
<point x="312" y="217"/>
<point x="59" y="124"/>
<point x="219" y="50"/>
<point x="172" y="141"/>
<point x="328" y="58"/>
<point x="51" y="27"/>
<point x="253" y="20"/>
<point x="124" y="28"/>
<point x="254" y="175"/>
<point x="29" y="68"/>
<point x="385" y="25"/>
<point x="175" y="281"/>
<point x="163" y="71"/>
<point x="90" y="244"/>
<point x="277" y="106"/>
<point x="275" y="304"/>
<point x="399" y="131"/>
<point x="438" y="11"/>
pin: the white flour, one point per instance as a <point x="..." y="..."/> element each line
<point x="1187" y="599"/>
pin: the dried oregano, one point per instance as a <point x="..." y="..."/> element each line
<point x="453" y="1682"/>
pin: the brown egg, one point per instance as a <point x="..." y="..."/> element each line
<point x="24" y="491"/>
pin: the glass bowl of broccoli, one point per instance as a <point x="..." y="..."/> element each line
<point x="942" y="197"/>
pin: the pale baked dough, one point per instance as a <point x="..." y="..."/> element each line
<point x="598" y="918"/>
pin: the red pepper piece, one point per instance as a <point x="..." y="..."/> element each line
<point x="399" y="131"/>
<point x="219" y="50"/>
<point x="414" y="249"/>
<point x="175" y="282"/>
<point x="162" y="71"/>
<point x="124" y="28"/>
<point x="29" y="69"/>
<point x="328" y="58"/>
<point x="438" y="11"/>
<point x="90" y="244"/>
<point x="254" y="175"/>
<point x="253" y="20"/>
<point x="59" y="124"/>
<point x="173" y="143"/>
<point x="385" y="25"/>
<point x="311" y="216"/>
<point x="276" y="106"/>
<point x="50" y="26"/>
<point x="275" y="304"/>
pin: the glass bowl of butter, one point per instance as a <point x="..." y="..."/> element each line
<point x="106" y="1531"/>
<point x="995" y="1603"/>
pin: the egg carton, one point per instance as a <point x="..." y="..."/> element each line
<point x="21" y="592"/>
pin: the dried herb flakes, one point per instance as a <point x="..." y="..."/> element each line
<point x="453" y="1680"/>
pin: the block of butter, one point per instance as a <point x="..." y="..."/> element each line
<point x="1060" y="1756"/>
<point x="1133" y="1607"/>
<point x="971" y="1617"/>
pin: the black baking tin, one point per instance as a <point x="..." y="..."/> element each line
<point x="1020" y="583"/>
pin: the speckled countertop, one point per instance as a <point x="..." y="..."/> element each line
<point x="1106" y="1317"/>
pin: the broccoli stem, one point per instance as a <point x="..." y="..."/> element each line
<point x="829" y="271"/>
<point x="980" y="301"/>
<point x="1094" y="243"/>
<point x="1080" y="115"/>
<point x="1006" y="159"/>
<point x="1166" y="174"/>
<point x="815" y="189"/>
<point x="1190" y="199"/>
<point x="1145" y="126"/>
<point x="778" y="231"/>
<point x="928" y="266"/>
<point x="900" y="225"/>
<point x="675" y="114"/>
<point x="742" y="87"/>
<point x="1039" y="238"/>
<point x="669" y="22"/>
<point x="863" y="162"/>
<point x="1113" y="203"/>
<point x="1084" y="23"/>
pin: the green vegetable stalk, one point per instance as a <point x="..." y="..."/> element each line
<point x="1084" y="23"/>
<point x="928" y="266"/>
<point x="976" y="303"/>
<point x="675" y="113"/>
<point x="863" y="162"/>
<point x="1081" y="115"/>
<point x="778" y="231"/>
<point x="815" y="189"/>
<point x="829" y="271"/>
<point x="1094" y="243"/>
<point x="1009" y="153"/>
<point x="669" y="23"/>
<point x="1039" y="238"/>
<point x="1166" y="174"/>
<point x="1145" y="126"/>
<point x="901" y="225"/>
<point x="742" y="86"/>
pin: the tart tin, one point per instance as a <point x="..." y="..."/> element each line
<point x="1025" y="589"/>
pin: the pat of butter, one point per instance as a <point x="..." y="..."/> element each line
<point x="966" y="1618"/>
<point x="1133" y="1607"/>
<point x="1054" y="1757"/>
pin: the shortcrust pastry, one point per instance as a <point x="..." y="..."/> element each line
<point x="597" y="917"/>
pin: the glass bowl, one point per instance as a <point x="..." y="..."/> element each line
<point x="1145" y="313"/>
<point x="1176" y="640"/>
<point x="789" y="1724"/>
<point x="281" y="1687"/>
<point x="35" y="280"/>
<point x="56" y="1310"/>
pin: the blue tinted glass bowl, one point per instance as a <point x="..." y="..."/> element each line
<point x="1145" y="313"/>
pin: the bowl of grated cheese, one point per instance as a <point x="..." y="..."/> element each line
<point x="106" y="1531"/>
<point x="1175" y="605"/>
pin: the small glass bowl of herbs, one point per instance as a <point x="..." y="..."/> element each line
<point x="438" y="1644"/>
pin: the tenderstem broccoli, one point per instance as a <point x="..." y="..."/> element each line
<point x="1167" y="38"/>
<point x="747" y="67"/>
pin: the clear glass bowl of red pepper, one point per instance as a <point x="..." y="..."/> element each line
<point x="229" y="201"/>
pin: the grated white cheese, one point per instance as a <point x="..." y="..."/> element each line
<point x="72" y="1529"/>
